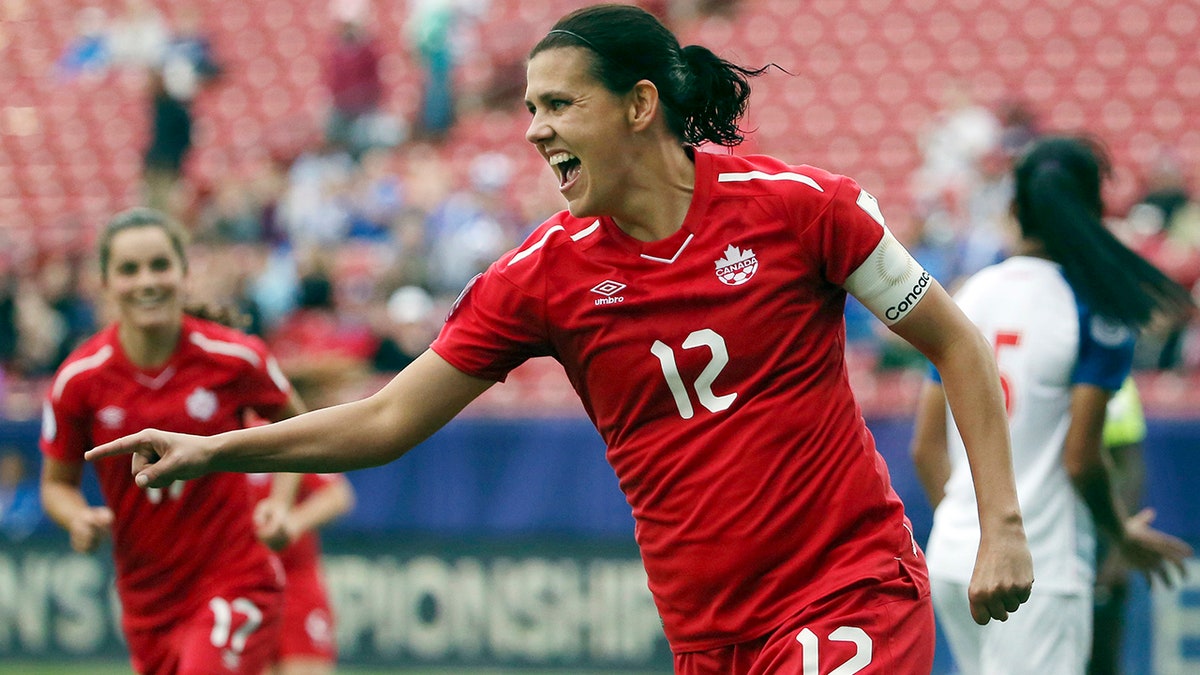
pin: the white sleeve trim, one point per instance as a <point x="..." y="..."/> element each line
<point x="890" y="282"/>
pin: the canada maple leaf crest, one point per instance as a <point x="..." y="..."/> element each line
<point x="736" y="266"/>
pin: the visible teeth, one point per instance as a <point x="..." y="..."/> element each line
<point x="561" y="157"/>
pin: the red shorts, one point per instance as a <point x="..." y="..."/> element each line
<point x="882" y="629"/>
<point x="235" y="631"/>
<point x="307" y="619"/>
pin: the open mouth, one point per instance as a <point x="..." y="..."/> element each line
<point x="568" y="167"/>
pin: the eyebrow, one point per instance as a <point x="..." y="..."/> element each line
<point x="547" y="95"/>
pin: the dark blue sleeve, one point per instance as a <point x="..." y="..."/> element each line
<point x="1105" y="351"/>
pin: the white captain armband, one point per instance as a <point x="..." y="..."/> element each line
<point x="890" y="282"/>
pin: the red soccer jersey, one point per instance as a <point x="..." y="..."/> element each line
<point x="712" y="364"/>
<point x="167" y="541"/>
<point x="305" y="552"/>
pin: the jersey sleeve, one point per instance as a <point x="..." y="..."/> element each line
<point x="269" y="388"/>
<point x="1105" y="352"/>
<point x="496" y="324"/>
<point x="64" y="435"/>
<point x="847" y="231"/>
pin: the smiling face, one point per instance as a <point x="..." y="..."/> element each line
<point x="581" y="128"/>
<point x="145" y="278"/>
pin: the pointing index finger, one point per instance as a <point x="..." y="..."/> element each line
<point x="135" y="443"/>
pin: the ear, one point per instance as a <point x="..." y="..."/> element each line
<point x="643" y="105"/>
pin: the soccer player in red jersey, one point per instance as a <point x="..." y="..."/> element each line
<point x="307" y="643"/>
<point x="199" y="593"/>
<point x="696" y="303"/>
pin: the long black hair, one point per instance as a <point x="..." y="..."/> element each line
<point x="703" y="95"/>
<point x="1058" y="203"/>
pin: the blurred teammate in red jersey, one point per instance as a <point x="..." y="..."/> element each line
<point x="696" y="302"/>
<point x="200" y="595"/>
<point x="307" y="643"/>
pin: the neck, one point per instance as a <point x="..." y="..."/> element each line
<point x="1031" y="248"/>
<point x="149" y="348"/>
<point x="659" y="193"/>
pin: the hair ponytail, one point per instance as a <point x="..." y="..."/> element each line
<point x="1058" y="203"/>
<point x="712" y="97"/>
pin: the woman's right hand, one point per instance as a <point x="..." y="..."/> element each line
<point x="159" y="457"/>
<point x="90" y="527"/>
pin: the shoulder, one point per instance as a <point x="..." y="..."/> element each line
<point x="551" y="240"/>
<point x="88" y="359"/>
<point x="224" y="344"/>
<point x="764" y="174"/>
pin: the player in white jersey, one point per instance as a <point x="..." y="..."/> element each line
<point x="1061" y="315"/>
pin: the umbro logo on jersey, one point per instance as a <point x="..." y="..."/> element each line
<point x="609" y="289"/>
<point x="111" y="417"/>
<point x="737" y="266"/>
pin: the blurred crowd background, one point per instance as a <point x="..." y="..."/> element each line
<point x="346" y="166"/>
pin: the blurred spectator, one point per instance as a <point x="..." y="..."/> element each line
<point x="315" y="209"/>
<point x="1018" y="127"/>
<point x="1166" y="226"/>
<point x="188" y="62"/>
<point x="377" y="196"/>
<point x="321" y="351"/>
<point x="89" y="52"/>
<point x="169" y="144"/>
<point x="242" y="205"/>
<point x="8" y="319"/>
<point x="409" y="328"/>
<point x="431" y="30"/>
<point x="20" y="505"/>
<point x="471" y="227"/>
<point x="42" y="332"/>
<point x="962" y="133"/>
<point x="356" y="120"/>
<point x="58" y="280"/>
<point x="139" y="37"/>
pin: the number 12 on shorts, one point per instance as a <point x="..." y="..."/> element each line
<point x="861" y="658"/>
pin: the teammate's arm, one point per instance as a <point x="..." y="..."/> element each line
<point x="331" y="501"/>
<point x="372" y="431"/>
<point x="271" y="514"/>
<point x="64" y="502"/>
<point x="1141" y="545"/>
<point x="929" y="449"/>
<point x="1003" y="575"/>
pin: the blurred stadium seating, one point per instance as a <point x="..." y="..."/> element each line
<point x="867" y="74"/>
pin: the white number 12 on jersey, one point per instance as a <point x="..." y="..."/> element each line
<point x="720" y="358"/>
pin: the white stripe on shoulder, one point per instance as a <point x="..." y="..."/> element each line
<point x="227" y="348"/>
<point x="81" y="366"/>
<point x="586" y="231"/>
<point x="533" y="248"/>
<point x="761" y="175"/>
<point x="277" y="375"/>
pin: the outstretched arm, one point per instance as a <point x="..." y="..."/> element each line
<point x="368" y="432"/>
<point x="1003" y="575"/>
